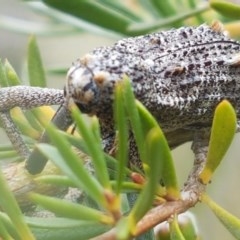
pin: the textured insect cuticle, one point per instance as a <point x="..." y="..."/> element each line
<point x="172" y="73"/>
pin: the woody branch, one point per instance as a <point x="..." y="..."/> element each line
<point x="190" y="193"/>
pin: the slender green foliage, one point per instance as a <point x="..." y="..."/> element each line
<point x="35" y="67"/>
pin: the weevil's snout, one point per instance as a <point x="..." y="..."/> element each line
<point x="86" y="82"/>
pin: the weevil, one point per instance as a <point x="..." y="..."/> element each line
<point x="180" y="75"/>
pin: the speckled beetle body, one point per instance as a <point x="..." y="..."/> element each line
<point x="179" y="75"/>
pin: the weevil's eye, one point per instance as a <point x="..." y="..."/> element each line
<point x="86" y="81"/>
<point x="80" y="86"/>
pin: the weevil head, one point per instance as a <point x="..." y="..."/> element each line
<point x="89" y="85"/>
<point x="91" y="80"/>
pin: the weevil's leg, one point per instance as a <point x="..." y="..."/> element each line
<point x="179" y="137"/>
<point x="14" y="134"/>
<point x="24" y="97"/>
<point x="36" y="161"/>
<point x="28" y="97"/>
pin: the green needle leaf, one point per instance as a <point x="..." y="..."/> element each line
<point x="12" y="76"/>
<point x="180" y="226"/>
<point x="156" y="154"/>
<point x="71" y="164"/>
<point x="62" y="228"/>
<point x="222" y="133"/>
<point x="56" y="179"/>
<point x="10" y="227"/>
<point x="122" y="136"/>
<point x="35" y="67"/>
<point x="141" y="122"/>
<point x="94" y="150"/>
<point x="3" y="76"/>
<point x="145" y="27"/>
<point x="124" y="228"/>
<point x="175" y="231"/>
<point x="164" y="8"/>
<point x="169" y="174"/>
<point x="226" y="8"/>
<point x="187" y="225"/>
<point x="70" y="210"/>
<point x="11" y="208"/>
<point x="119" y="7"/>
<point x="101" y="15"/>
<point x="7" y="154"/>
<point x="79" y="143"/>
<point x="33" y="121"/>
<point x="231" y="222"/>
<point x="4" y="233"/>
<point x="133" y="115"/>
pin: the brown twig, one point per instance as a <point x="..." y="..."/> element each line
<point x="191" y="192"/>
